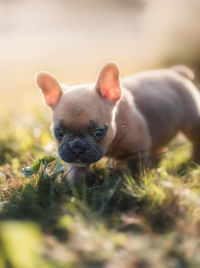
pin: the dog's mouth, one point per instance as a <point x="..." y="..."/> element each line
<point x="79" y="160"/>
<point x="90" y="154"/>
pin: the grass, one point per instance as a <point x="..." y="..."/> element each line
<point x="112" y="222"/>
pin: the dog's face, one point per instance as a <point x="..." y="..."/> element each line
<point x="83" y="116"/>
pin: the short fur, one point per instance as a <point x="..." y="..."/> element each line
<point x="143" y="113"/>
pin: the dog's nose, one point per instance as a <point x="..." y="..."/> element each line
<point x="77" y="147"/>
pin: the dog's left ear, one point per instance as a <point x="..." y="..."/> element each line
<point x="50" y="88"/>
<point x="108" y="84"/>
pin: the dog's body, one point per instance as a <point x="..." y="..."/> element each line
<point x="133" y="119"/>
<point x="162" y="102"/>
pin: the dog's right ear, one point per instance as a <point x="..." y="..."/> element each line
<point x="50" y="88"/>
<point x="108" y="83"/>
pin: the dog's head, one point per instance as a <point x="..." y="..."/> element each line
<point x="83" y="116"/>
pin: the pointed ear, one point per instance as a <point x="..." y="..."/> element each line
<point x="108" y="84"/>
<point x="50" y="88"/>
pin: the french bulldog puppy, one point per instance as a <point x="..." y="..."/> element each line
<point x="129" y="119"/>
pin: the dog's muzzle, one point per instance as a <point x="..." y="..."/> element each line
<point x="79" y="151"/>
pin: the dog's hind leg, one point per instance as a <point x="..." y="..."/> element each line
<point x="193" y="134"/>
<point x="196" y="153"/>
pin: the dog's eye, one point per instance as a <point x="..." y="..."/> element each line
<point x="99" y="132"/>
<point x="59" y="133"/>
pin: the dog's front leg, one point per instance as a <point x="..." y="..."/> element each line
<point x="76" y="173"/>
<point x="139" y="162"/>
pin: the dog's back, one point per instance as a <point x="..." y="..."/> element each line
<point x="168" y="100"/>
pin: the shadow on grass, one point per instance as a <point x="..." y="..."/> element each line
<point x="182" y="168"/>
<point x="112" y="206"/>
<point x="46" y="197"/>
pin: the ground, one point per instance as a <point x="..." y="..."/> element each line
<point x="111" y="222"/>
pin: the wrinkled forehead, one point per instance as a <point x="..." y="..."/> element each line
<point x="77" y="108"/>
<point x="74" y="122"/>
<point x="78" y="129"/>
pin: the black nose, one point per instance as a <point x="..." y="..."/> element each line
<point x="77" y="147"/>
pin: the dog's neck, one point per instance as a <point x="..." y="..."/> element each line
<point x="127" y="113"/>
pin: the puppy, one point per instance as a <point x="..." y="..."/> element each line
<point x="129" y="119"/>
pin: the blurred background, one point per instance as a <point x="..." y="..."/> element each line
<point x="155" y="225"/>
<point x="73" y="39"/>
